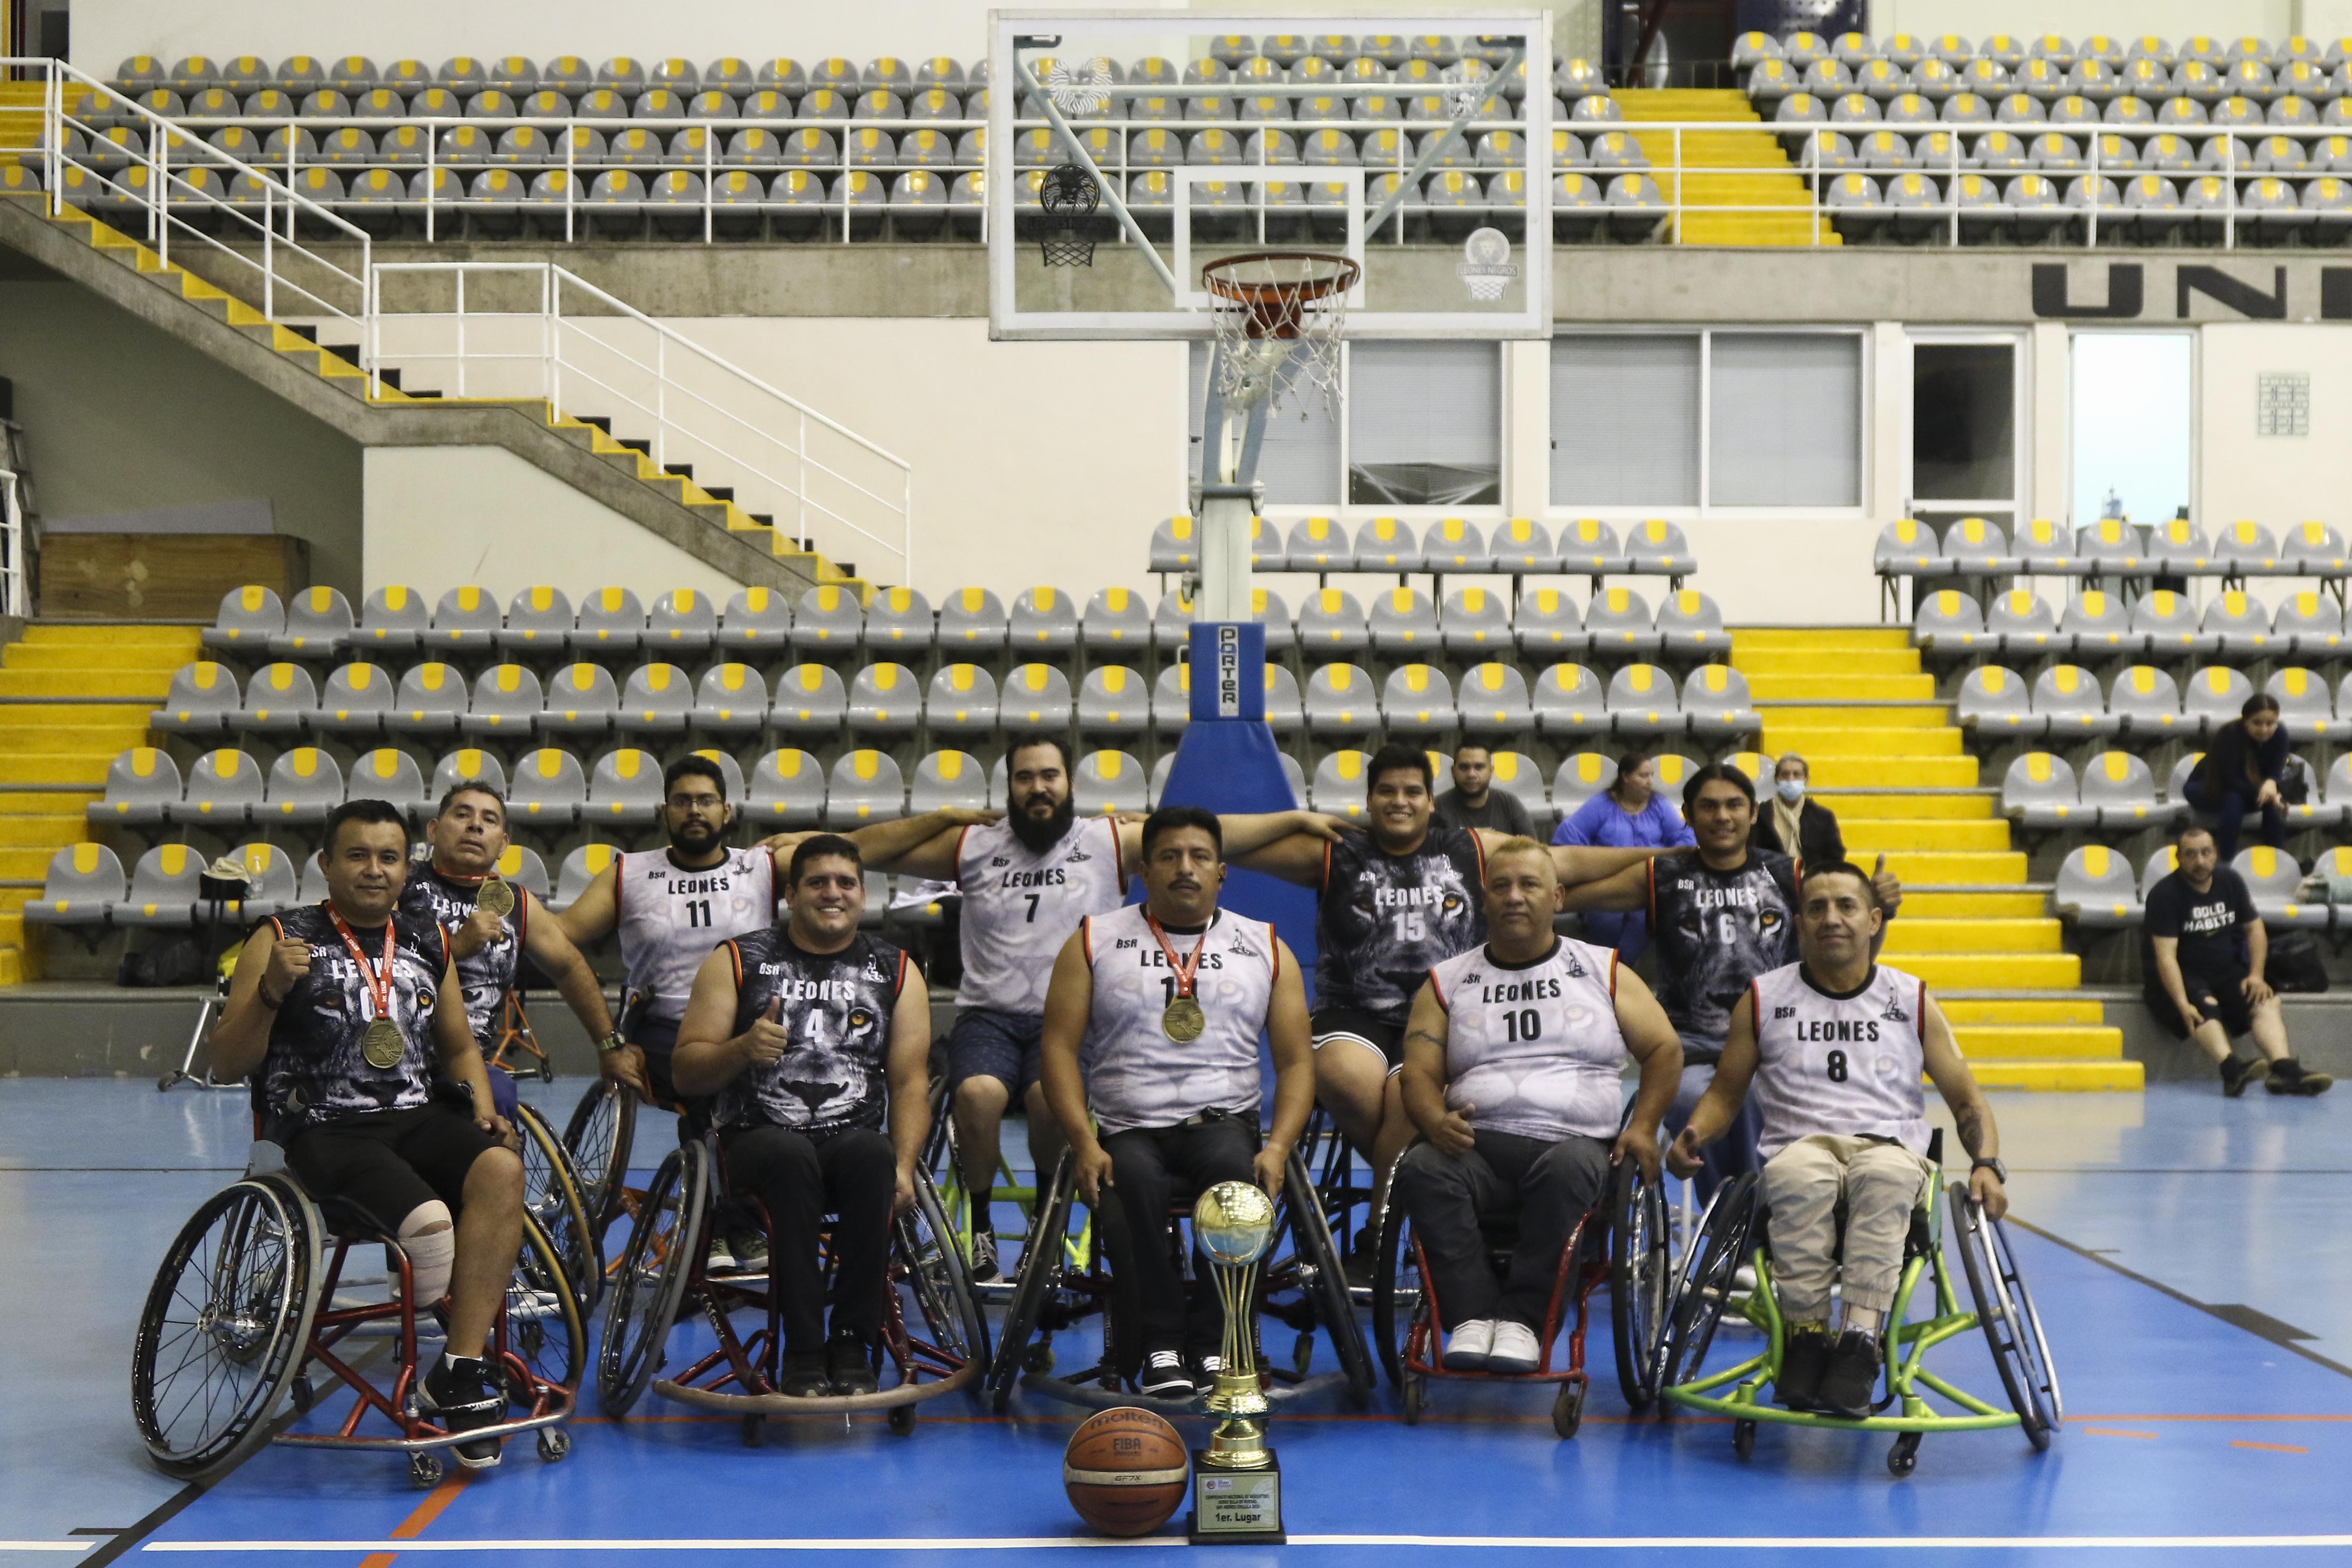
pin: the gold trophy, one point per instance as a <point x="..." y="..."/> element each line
<point x="1237" y="1481"/>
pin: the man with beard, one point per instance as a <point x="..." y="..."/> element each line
<point x="492" y="923"/>
<point x="348" y="1009"/>
<point x="1150" y="1038"/>
<point x="1719" y="918"/>
<point x="1395" y="903"/>
<point x="808" y="1032"/>
<point x="1027" y="883"/>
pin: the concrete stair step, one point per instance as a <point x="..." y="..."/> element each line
<point x="155" y="656"/>
<point x="2052" y="971"/>
<point x="1993" y="904"/>
<point x="13" y="968"/>
<point x="1973" y="868"/>
<point x="92" y="739"/>
<point x="1960" y="1009"/>
<point x="1911" y="932"/>
<point x="1848" y="741"/>
<point x="149" y="684"/>
<point x="1968" y="806"/>
<point x="2061" y="1076"/>
<point x="24" y="865"/>
<point x="1757" y="230"/>
<point x="50" y="833"/>
<point x="2044" y="1042"/>
<point x="42" y="634"/>
<point x="1880" y="833"/>
<point x="62" y="803"/>
<point x="14" y="899"/>
<point x="1832" y="771"/>
<point x="1890" y="688"/>
<point x="1818" y="640"/>
<point x="1808" y="708"/>
<point x="50" y="767"/>
<point x="1755" y="660"/>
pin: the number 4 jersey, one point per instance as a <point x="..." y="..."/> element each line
<point x="1847" y="1064"/>
<point x="672" y="916"/>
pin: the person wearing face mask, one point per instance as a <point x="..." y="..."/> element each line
<point x="1793" y="823"/>
<point x="1629" y="815"/>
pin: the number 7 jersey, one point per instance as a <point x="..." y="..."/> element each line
<point x="1020" y="905"/>
<point x="1847" y="1064"/>
<point x="671" y="915"/>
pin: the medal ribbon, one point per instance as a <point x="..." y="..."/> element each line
<point x="379" y="979"/>
<point x="1185" y="968"/>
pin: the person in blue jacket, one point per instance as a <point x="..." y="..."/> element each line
<point x="1629" y="815"/>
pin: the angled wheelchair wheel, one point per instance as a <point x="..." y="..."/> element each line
<point x="224" y="1327"/>
<point x="603" y="1126"/>
<point x="1641" y="1280"/>
<point x="2013" y="1329"/>
<point x="551" y="1195"/>
<point x="641" y="1298"/>
<point x="1034" y="1283"/>
<point x="1323" y="1279"/>
<point x="1396" y="1296"/>
<point x="1705" y="1288"/>
<point x="930" y="1268"/>
<point x="545" y="1326"/>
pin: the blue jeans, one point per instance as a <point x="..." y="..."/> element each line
<point x="2228" y="809"/>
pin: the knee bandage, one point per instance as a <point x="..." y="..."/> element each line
<point x="430" y="1238"/>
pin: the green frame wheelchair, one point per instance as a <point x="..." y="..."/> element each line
<point x="1730" y="1235"/>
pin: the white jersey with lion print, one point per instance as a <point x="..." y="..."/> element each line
<point x="1021" y="905"/>
<point x="1136" y="1076"/>
<point x="1844" y="1065"/>
<point x="670" y="918"/>
<point x="1534" y="1049"/>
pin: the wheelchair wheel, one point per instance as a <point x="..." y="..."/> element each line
<point x="1034" y="1283"/>
<point x="1323" y="1279"/>
<point x="1641" y="1273"/>
<point x="1396" y="1283"/>
<point x="544" y="1325"/>
<point x="931" y="1268"/>
<point x="2013" y="1329"/>
<point x="603" y="1126"/>
<point x="224" y="1327"/>
<point x="1705" y="1285"/>
<point x="552" y="1193"/>
<point x="641" y="1298"/>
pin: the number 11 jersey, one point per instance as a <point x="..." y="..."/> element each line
<point x="671" y="915"/>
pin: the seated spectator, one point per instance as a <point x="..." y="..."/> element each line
<point x="1794" y="823"/>
<point x="1628" y="814"/>
<point x="1473" y="802"/>
<point x="2240" y="777"/>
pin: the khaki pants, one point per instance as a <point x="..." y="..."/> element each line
<point x="1880" y="1182"/>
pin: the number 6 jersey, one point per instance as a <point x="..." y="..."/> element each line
<point x="670" y="917"/>
<point x="1844" y="1064"/>
<point x="1533" y="1049"/>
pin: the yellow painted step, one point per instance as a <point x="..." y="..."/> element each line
<point x="24" y="865"/>
<point x="1972" y="870"/>
<point x="14" y="969"/>
<point x="2077" y="1077"/>
<point x="1849" y="741"/>
<point x="1960" y="1010"/>
<point x="1814" y="639"/>
<point x="93" y="655"/>
<point x="1979" y="971"/>
<point x="14" y="899"/>
<point x="1992" y="904"/>
<point x="1874" y="833"/>
<point x="49" y="767"/>
<point x="1891" y="773"/>
<point x="2047" y="1042"/>
<point x="50" y="634"/>
<point x="52" y="832"/>
<point x="1897" y="688"/>
<point x="57" y="803"/>
<point x="1754" y="662"/>
<point x="149" y="684"/>
<point x="1912" y="932"/>
<point x="98" y="715"/>
<point x="93" y="740"/>
<point x="1969" y="807"/>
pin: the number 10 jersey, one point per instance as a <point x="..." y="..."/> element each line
<point x="671" y="915"/>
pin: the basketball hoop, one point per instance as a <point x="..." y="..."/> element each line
<point x="1069" y="196"/>
<point x="1279" y="316"/>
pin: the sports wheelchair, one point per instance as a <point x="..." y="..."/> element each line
<point x="245" y="1311"/>
<point x="1623" y="1242"/>
<point x="661" y="1275"/>
<point x="1733" y="1231"/>
<point x="943" y="1157"/>
<point x="1300" y="1284"/>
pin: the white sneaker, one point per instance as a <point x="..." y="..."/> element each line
<point x="1515" y="1352"/>
<point x="1467" y="1346"/>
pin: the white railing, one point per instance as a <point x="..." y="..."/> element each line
<point x="535" y="330"/>
<point x="15" y="595"/>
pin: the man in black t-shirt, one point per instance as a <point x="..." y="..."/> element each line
<point x="1475" y="802"/>
<point x="2202" y="964"/>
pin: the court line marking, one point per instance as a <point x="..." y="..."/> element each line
<point x="1484" y="1542"/>
<point x="2270" y="1447"/>
<point x="422" y="1516"/>
<point x="2112" y="1432"/>
<point x="46" y="1545"/>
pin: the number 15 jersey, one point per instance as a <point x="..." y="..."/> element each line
<point x="1845" y="1064"/>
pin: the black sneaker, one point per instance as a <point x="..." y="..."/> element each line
<point x="460" y="1395"/>
<point x="804" y="1375"/>
<point x="749" y="1247"/>
<point x="849" y="1365"/>
<point x="2287" y="1077"/>
<point x="2237" y="1072"/>
<point x="1803" y="1360"/>
<point x="1850" y="1378"/>
<point x="1164" y="1376"/>
<point x="984" y="1266"/>
<point x="1362" y="1261"/>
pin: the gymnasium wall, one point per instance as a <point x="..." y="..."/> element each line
<point x="2278" y="480"/>
<point x="2174" y="19"/>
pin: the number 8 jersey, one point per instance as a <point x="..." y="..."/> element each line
<point x="1847" y="1064"/>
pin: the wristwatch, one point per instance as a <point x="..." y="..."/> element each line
<point x="1999" y="1171"/>
<point x="612" y="1042"/>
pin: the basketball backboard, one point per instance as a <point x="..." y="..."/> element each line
<point x="1410" y="144"/>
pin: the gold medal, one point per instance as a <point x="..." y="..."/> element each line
<point x="495" y="895"/>
<point x="1183" y="1020"/>
<point x="383" y="1045"/>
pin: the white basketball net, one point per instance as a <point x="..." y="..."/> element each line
<point x="1279" y="317"/>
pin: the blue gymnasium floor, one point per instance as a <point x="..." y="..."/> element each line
<point x="2194" y="1431"/>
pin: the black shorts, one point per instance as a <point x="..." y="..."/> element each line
<point x="657" y="1038"/>
<point x="1351" y="1024"/>
<point x="390" y="1163"/>
<point x="2217" y="995"/>
<point x="1006" y="1047"/>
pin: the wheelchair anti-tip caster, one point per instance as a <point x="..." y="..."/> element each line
<point x="1743" y="1438"/>
<point x="752" y="1435"/>
<point x="1568" y="1410"/>
<point x="1412" y="1398"/>
<point x="1904" y="1457"/>
<point x="1302" y="1355"/>
<point x="902" y="1419"/>
<point x="303" y="1395"/>
<point x="1038" y="1358"/>
<point x="424" y="1471"/>
<point x="546" y="1070"/>
<point x="553" y="1443"/>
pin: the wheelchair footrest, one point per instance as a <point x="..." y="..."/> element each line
<point x="825" y="1405"/>
<point x="501" y="1429"/>
<point x="1096" y="1398"/>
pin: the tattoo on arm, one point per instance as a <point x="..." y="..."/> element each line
<point x="1969" y="1121"/>
<point x="1425" y="1035"/>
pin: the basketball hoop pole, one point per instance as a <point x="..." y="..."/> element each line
<point x="1225" y="500"/>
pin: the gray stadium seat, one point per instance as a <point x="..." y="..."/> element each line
<point x="2304" y="708"/>
<point x="1642" y="701"/>
<point x="2273" y="877"/>
<point x="1387" y="544"/>
<point x="1494" y="701"/>
<point x="2022" y="620"/>
<point x="1034" y="697"/>
<point x="972" y="620"/>
<point x="1908" y="548"/>
<point x="612" y="621"/>
<point x="466" y="620"/>
<point x="828" y="619"/>
<point x="2097" y="625"/>
<point x="1523" y="547"/>
<point x="548" y="789"/>
<point x="2239" y="623"/>
<point x="786" y="790"/>
<point x="140" y="784"/>
<point x="2146" y="701"/>
<point x="2119" y="788"/>
<point x="1581" y="777"/>
<point x="729" y="768"/>
<point x="318" y="626"/>
<point x="389" y="774"/>
<point x="1115" y="700"/>
<point x="1691" y="624"/>
<point x="430" y="702"/>
<point x="1547" y="625"/>
<point x="224" y="786"/>
<point x="1404" y="621"/>
<point x="1176" y="545"/>
<point x="1331" y="621"/>
<point x="1339" y="786"/>
<point x="1994" y="701"/>
<point x="1266" y="553"/>
<point x="84" y="883"/>
<point x="540" y="621"/>
<point x="1715" y="702"/>
<point x="1974" y="547"/>
<point x="247" y="619"/>
<point x="1950" y="623"/>
<point x="2165" y="622"/>
<point x="866" y="787"/>
<point x="2308" y="550"/>
<point x="1171" y="623"/>
<point x="1172" y="699"/>
<point x="581" y="699"/>
<point x="1475" y="621"/>
<point x="162" y="891"/>
<point x="463" y="766"/>
<point x="1117" y="622"/>
<point x="1106" y="782"/>
<point x="1272" y="612"/>
<point x="886" y="700"/>
<point x="2047" y="549"/>
<point x="756" y="619"/>
<point x="507" y="701"/>
<point x="1590" y="546"/>
<point x="2310" y="625"/>
<point x="1044" y="621"/>
<point x="1341" y="702"/>
<point x="948" y="778"/>
<point x="305" y="784"/>
<point x="684" y="621"/>
<point x="624" y="789"/>
<point x="1658" y="546"/>
<point x="2039" y="793"/>
<point x="1618" y="624"/>
<point x="521" y="866"/>
<point x="1285" y="712"/>
<point x="1517" y="776"/>
<point x="2212" y="696"/>
<point x="1569" y="700"/>
<point x="2110" y="546"/>
<point x="201" y="701"/>
<point x="2246" y="549"/>
<point x="1456" y="544"/>
<point x="2067" y="699"/>
<point x="2095" y="889"/>
<point x="810" y="701"/>
<point x="1319" y="544"/>
<point x="1418" y="701"/>
<point x="270" y="878"/>
<point x="356" y="699"/>
<point x="393" y="620"/>
<point x="657" y="700"/>
<point x="2180" y="548"/>
<point x="899" y="621"/>
<point x="732" y="699"/>
<point x="580" y="869"/>
<point x="280" y="699"/>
